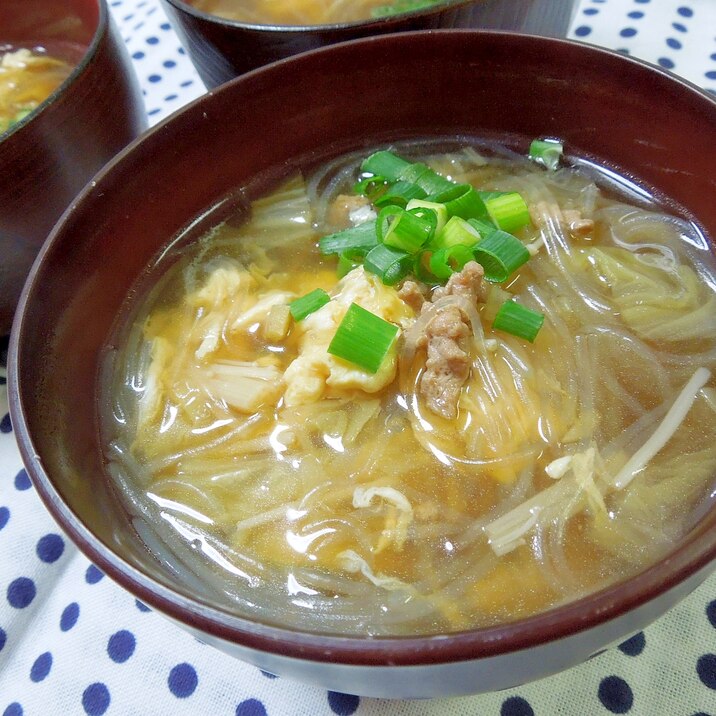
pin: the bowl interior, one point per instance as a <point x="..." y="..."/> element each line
<point x="34" y="20"/>
<point x="471" y="84"/>
<point x="47" y="157"/>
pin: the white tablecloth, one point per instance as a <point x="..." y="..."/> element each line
<point x="72" y="642"/>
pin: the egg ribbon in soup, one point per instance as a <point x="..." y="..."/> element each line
<point x="308" y="12"/>
<point x="472" y="387"/>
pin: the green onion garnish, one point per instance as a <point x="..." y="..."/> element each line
<point x="500" y="254"/>
<point x="546" y="152"/>
<point x="405" y="230"/>
<point x="389" y="264"/>
<point x="308" y="304"/>
<point x="361" y="239"/>
<point x="484" y="228"/>
<point x="427" y="179"/>
<point x="456" y="231"/>
<point x="440" y="211"/>
<point x="461" y="200"/>
<point x="444" y="262"/>
<point x="401" y="6"/>
<point x="346" y="263"/>
<point x="372" y="187"/>
<point x="508" y="212"/>
<point x="519" y="321"/>
<point x="399" y="194"/>
<point x="421" y="268"/>
<point x="363" y="338"/>
<point x="485" y="195"/>
<point x="385" y="164"/>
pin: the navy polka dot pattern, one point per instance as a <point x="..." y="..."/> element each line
<point x="96" y="699"/>
<point x="93" y="574"/>
<point x="633" y="646"/>
<point x="22" y="481"/>
<point x="73" y="642"/>
<point x="70" y="615"/>
<point x="182" y="680"/>
<point x="616" y="695"/>
<point x="706" y="669"/>
<point x="41" y="667"/>
<point x="121" y="646"/>
<point x="21" y="592"/>
<point x="675" y="35"/>
<point x="342" y="704"/>
<point x="50" y="548"/>
<point x="251" y="707"/>
<point x="141" y="606"/>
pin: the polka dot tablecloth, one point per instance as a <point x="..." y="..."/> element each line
<point x="72" y="642"/>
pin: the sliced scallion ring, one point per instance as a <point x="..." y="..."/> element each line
<point x="363" y="338"/>
<point x="308" y="304"/>
<point x="518" y="320"/>
<point x="546" y="152"/>
<point x="500" y="254"/>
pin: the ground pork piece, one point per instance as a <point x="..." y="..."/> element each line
<point x="446" y="336"/>
<point x="340" y="209"/>
<point x="448" y="363"/>
<point x="467" y="283"/>
<point x="414" y="294"/>
<point x="577" y="224"/>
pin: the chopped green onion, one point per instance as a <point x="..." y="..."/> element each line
<point x="500" y="254"/>
<point x="385" y="164"/>
<point x="440" y="211"/>
<point x="389" y="264"/>
<point x="427" y="179"/>
<point x="508" y="212"/>
<point x="400" y="194"/>
<point x="359" y="238"/>
<point x="372" y="187"/>
<point x="401" y="6"/>
<point x="404" y="230"/>
<point x="306" y="305"/>
<point x="363" y="338"/>
<point x="421" y="268"/>
<point x="485" y="195"/>
<point x="461" y="200"/>
<point x="546" y="152"/>
<point x="519" y="321"/>
<point x="456" y="231"/>
<point x="484" y="228"/>
<point x="346" y="263"/>
<point x="445" y="262"/>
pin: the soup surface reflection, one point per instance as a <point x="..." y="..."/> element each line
<point x="27" y="78"/>
<point x="475" y="476"/>
<point x="307" y="12"/>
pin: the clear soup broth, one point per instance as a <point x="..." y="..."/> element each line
<point x="28" y="76"/>
<point x="307" y="12"/>
<point x="475" y="476"/>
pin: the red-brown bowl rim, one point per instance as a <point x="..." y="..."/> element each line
<point x="694" y="553"/>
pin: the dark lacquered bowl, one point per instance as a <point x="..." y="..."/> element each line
<point x="50" y="155"/>
<point x="597" y="101"/>
<point x="222" y="49"/>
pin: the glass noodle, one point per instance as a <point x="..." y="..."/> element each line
<point x="313" y="494"/>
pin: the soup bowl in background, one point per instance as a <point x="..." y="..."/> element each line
<point x="222" y="49"/>
<point x="268" y="121"/>
<point x="47" y="157"/>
